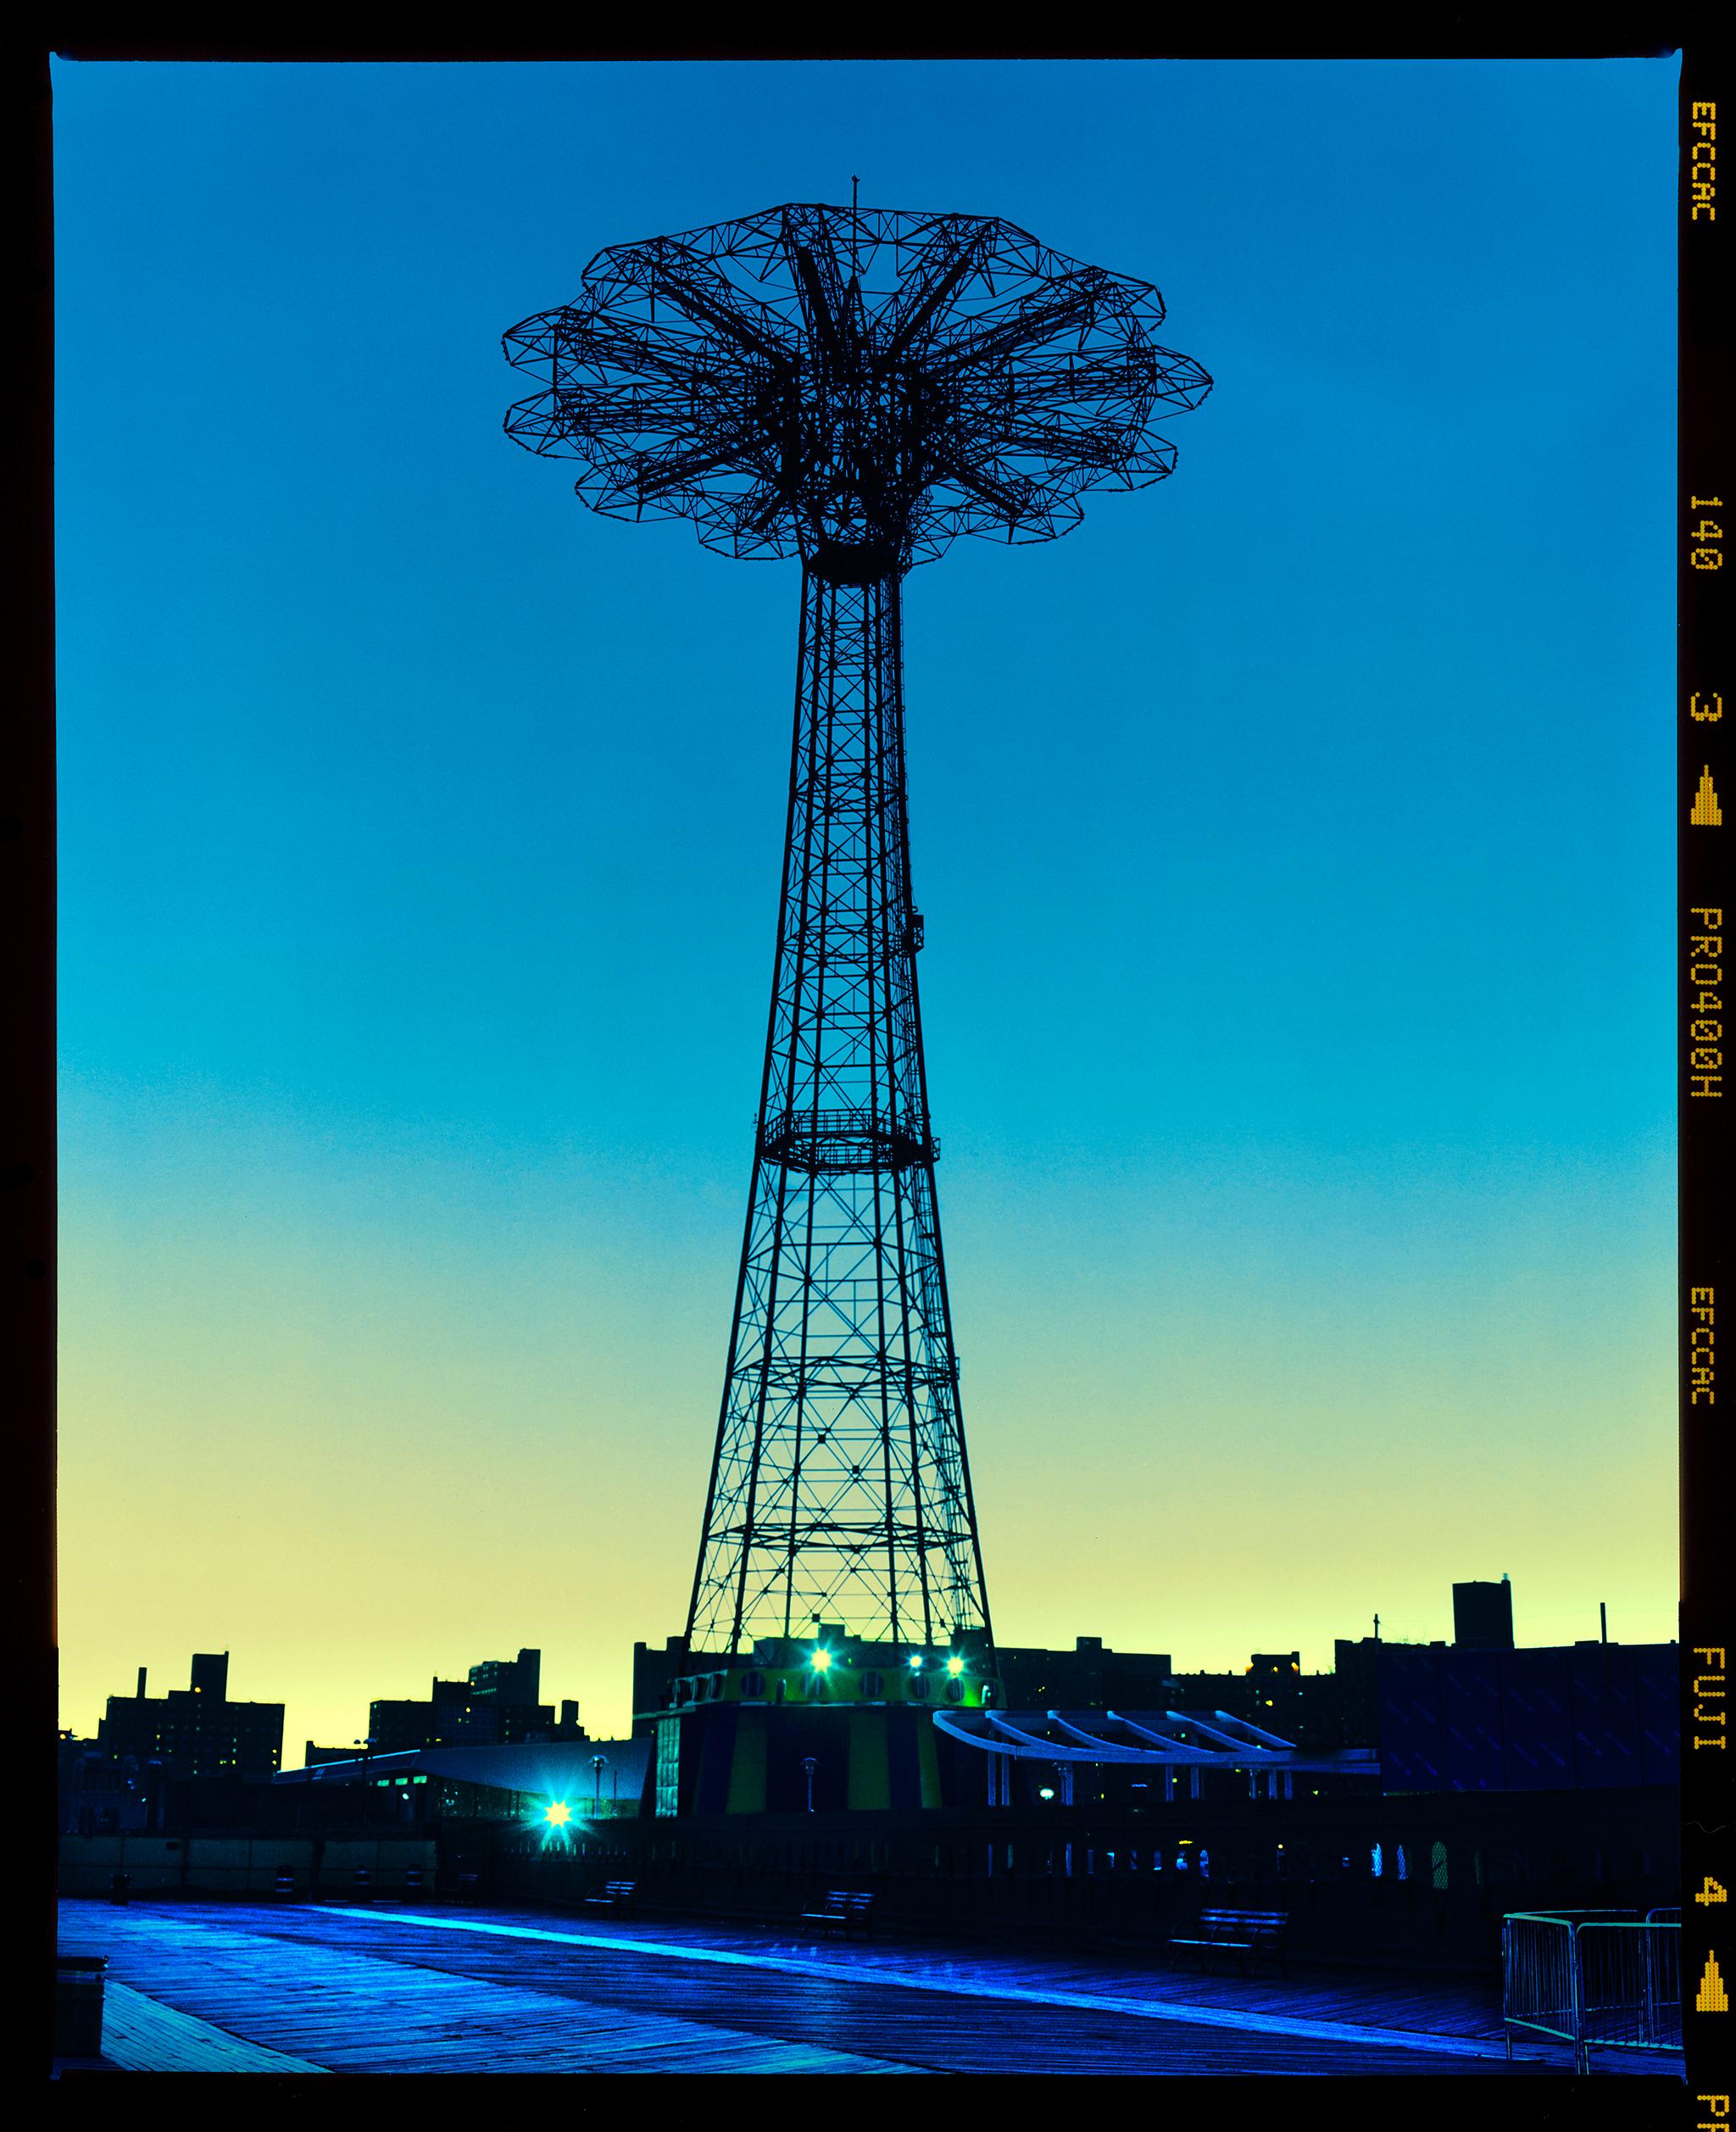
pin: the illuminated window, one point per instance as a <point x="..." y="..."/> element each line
<point x="1404" y="1863"/>
<point x="1376" y="1863"/>
<point x="1437" y="1864"/>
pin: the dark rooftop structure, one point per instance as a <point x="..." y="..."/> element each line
<point x="1483" y="1616"/>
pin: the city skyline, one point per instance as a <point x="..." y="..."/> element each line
<point x="1298" y="1036"/>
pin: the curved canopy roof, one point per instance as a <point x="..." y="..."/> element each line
<point x="1168" y="1739"/>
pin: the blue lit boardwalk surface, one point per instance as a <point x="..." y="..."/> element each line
<point x="384" y="1990"/>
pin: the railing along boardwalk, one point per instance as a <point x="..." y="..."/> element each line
<point x="1594" y="1980"/>
<point x="355" y="1990"/>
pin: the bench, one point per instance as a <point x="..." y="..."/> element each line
<point x="615" y="1895"/>
<point x="846" y="1910"/>
<point x="1239" y="1932"/>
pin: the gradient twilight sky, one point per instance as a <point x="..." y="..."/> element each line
<point x="1294" y="840"/>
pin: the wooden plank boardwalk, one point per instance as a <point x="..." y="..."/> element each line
<point x="334" y="2010"/>
<point x="141" y="2035"/>
<point x="366" y="1990"/>
<point x="1387" y="2000"/>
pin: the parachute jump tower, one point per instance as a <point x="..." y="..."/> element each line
<point x="857" y="388"/>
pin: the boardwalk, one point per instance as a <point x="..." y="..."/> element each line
<point x="384" y="1991"/>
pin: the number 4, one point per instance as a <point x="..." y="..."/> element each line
<point x="1711" y="1892"/>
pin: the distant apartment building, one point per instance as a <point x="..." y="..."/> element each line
<point x="1088" y="1677"/>
<point x="496" y="1706"/>
<point x="196" y="1731"/>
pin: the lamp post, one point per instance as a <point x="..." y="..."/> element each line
<point x="597" y="1763"/>
<point x="808" y="1765"/>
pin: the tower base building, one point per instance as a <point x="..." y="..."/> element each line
<point x="824" y="1722"/>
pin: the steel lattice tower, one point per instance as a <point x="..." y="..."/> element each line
<point x="856" y="388"/>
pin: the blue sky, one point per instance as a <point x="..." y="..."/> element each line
<point x="1295" y="841"/>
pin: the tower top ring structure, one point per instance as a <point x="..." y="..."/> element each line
<point x="856" y="386"/>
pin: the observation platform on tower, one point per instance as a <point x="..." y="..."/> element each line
<point x="836" y="1142"/>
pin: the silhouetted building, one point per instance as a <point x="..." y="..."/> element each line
<point x="507" y="1680"/>
<point x="1088" y="1677"/>
<point x="1548" y="1719"/>
<point x="1356" y="1675"/>
<point x="1483" y="1616"/>
<point x="495" y="1706"/>
<point x="654" y="1673"/>
<point x="1272" y="1692"/>
<point x="1482" y="1714"/>
<point x="196" y="1731"/>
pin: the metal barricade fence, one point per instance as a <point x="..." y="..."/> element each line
<point x="1603" y="1979"/>
<point x="1539" y="1977"/>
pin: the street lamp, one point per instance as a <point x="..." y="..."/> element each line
<point x="597" y="1763"/>
<point x="808" y="1765"/>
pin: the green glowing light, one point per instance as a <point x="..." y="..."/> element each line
<point x="820" y="1660"/>
<point x="955" y="1667"/>
<point x="559" y="1813"/>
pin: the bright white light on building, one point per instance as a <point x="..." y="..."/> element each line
<point x="820" y="1660"/>
<point x="916" y="1665"/>
<point x="955" y="1666"/>
<point x="558" y="1813"/>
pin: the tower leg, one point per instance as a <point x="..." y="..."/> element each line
<point x="840" y="1492"/>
